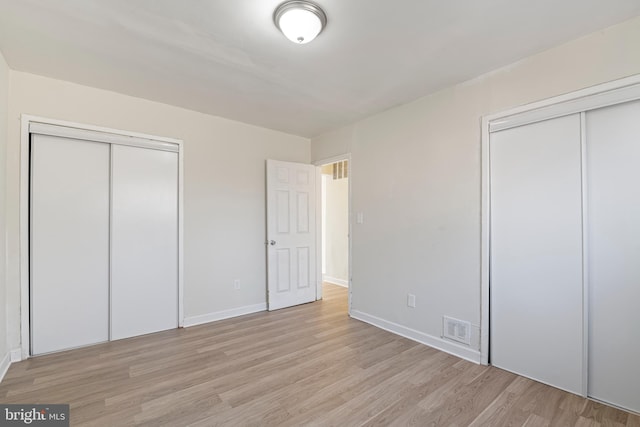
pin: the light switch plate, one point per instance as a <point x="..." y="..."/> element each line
<point x="411" y="300"/>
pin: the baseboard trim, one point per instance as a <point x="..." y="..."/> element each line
<point x="333" y="280"/>
<point x="421" y="337"/>
<point x="4" y="365"/>
<point x="16" y="355"/>
<point x="224" y="314"/>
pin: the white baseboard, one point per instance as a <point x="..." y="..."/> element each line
<point x="224" y="314"/>
<point x="426" y="339"/>
<point x="4" y="365"/>
<point x="333" y="280"/>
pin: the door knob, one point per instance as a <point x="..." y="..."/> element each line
<point x="272" y="242"/>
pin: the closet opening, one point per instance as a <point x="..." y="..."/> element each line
<point x="101" y="235"/>
<point x="560" y="226"/>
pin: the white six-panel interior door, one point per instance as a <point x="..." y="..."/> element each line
<point x="291" y="234"/>
<point x="103" y="238"/>
<point x="565" y="246"/>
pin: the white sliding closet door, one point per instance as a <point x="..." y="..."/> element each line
<point x="613" y="188"/>
<point x="69" y="231"/>
<point x="536" y="252"/>
<point x="144" y="246"/>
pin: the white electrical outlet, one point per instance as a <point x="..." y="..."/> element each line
<point x="411" y="300"/>
<point x="236" y="284"/>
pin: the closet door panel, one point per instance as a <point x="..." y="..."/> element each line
<point x="613" y="188"/>
<point x="69" y="232"/>
<point x="144" y="292"/>
<point x="536" y="252"/>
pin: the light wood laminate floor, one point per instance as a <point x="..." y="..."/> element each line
<point x="308" y="364"/>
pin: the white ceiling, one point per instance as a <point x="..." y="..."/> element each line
<point x="226" y="58"/>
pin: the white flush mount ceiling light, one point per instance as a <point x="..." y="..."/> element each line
<point x="300" y="21"/>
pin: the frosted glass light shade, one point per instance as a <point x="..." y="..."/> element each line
<point x="300" y="21"/>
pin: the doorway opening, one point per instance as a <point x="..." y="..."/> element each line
<point x="334" y="247"/>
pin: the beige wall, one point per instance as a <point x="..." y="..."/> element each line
<point x="4" y="100"/>
<point x="224" y="192"/>
<point x="421" y="230"/>
<point x="336" y="248"/>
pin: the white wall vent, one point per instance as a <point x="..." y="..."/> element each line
<point x="340" y="169"/>
<point x="456" y="330"/>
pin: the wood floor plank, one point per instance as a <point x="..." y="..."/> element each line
<point x="601" y="413"/>
<point x="536" y="421"/>
<point x="305" y="365"/>
<point x="633" y="420"/>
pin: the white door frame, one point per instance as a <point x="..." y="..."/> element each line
<point x="319" y="248"/>
<point x="25" y="172"/>
<point x="602" y="95"/>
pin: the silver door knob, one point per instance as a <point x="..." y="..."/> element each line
<point x="272" y="242"/>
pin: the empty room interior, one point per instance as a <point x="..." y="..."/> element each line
<point x="340" y="213"/>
